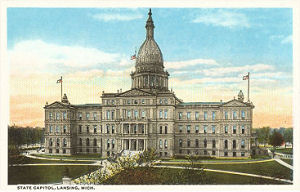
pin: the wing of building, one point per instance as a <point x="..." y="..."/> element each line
<point x="149" y="115"/>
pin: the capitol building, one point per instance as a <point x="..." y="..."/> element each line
<point x="149" y="115"/>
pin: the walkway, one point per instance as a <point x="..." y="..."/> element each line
<point x="230" y="172"/>
<point x="283" y="163"/>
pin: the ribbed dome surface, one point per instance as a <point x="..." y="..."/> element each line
<point x="149" y="53"/>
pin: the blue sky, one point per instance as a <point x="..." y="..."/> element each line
<point x="204" y="50"/>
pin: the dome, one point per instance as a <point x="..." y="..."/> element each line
<point x="149" y="52"/>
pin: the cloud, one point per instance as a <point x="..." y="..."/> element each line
<point x="39" y="56"/>
<point x="106" y="17"/>
<point x="288" y="39"/>
<point x="223" y="18"/>
<point x="187" y="63"/>
<point x="241" y="69"/>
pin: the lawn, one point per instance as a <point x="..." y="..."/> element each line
<point x="168" y="176"/>
<point x="45" y="174"/>
<point x="289" y="161"/>
<point x="26" y="160"/>
<point x="270" y="168"/>
<point x="285" y="151"/>
<point x="91" y="156"/>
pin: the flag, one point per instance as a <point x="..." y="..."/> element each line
<point x="245" y="77"/>
<point x="133" y="57"/>
<point x="59" y="81"/>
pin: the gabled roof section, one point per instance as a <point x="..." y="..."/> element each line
<point x="237" y="103"/>
<point x="134" y="92"/>
<point x="58" y="104"/>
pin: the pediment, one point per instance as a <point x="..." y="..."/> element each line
<point x="234" y="103"/>
<point x="134" y="92"/>
<point x="56" y="105"/>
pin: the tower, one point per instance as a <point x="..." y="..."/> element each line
<point x="149" y="71"/>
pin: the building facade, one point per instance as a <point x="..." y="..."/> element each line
<point x="149" y="115"/>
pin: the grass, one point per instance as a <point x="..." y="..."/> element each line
<point x="168" y="176"/>
<point x="270" y="168"/>
<point x="289" y="161"/>
<point x="45" y="174"/>
<point x="285" y="151"/>
<point x="26" y="160"/>
<point x="91" y="156"/>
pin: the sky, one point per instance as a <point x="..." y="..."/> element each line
<point x="206" y="51"/>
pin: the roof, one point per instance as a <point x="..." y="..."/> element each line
<point x="201" y="103"/>
<point x="88" y="105"/>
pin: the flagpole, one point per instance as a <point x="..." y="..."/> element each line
<point x="248" y="86"/>
<point x="61" y="88"/>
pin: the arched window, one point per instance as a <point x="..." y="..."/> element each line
<point x="205" y="143"/>
<point x="57" y="142"/>
<point x="166" y="144"/>
<point x="160" y="144"/>
<point x="225" y="144"/>
<point x="50" y="142"/>
<point x="80" y="141"/>
<point x="234" y="144"/>
<point x="95" y="142"/>
<point x="87" y="142"/>
<point x="112" y="144"/>
<point x="188" y="143"/>
<point x="108" y="144"/>
<point x="65" y="129"/>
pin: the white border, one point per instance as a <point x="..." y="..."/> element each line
<point x="4" y="80"/>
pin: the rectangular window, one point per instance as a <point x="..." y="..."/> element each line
<point x="243" y="114"/>
<point x="112" y="129"/>
<point x="205" y="115"/>
<point x="204" y="128"/>
<point x="107" y="114"/>
<point x="188" y="129"/>
<point x="50" y="116"/>
<point x="57" y="116"/>
<point x="243" y="129"/>
<point x="180" y="115"/>
<point x="234" y="115"/>
<point x="51" y="129"/>
<point x="166" y="114"/>
<point x="95" y="116"/>
<point x="143" y="101"/>
<point x="213" y="129"/>
<point x="243" y="154"/>
<point x="80" y="129"/>
<point x="160" y="130"/>
<point x="196" y="115"/>
<point x="234" y="154"/>
<point x="196" y="143"/>
<point x="87" y="116"/>
<point x="143" y="114"/>
<point x="180" y="142"/>
<point x="197" y="129"/>
<point x="188" y="115"/>
<point x="64" y="115"/>
<point x="57" y="129"/>
<point x="160" y="114"/>
<point x="188" y="143"/>
<point x="166" y="144"/>
<point x="166" y="129"/>
<point x="107" y="128"/>
<point x="112" y="102"/>
<point x="95" y="128"/>
<point x="129" y="114"/>
<point x="160" y="144"/>
<point x="243" y="144"/>
<point x="226" y="128"/>
<point x="136" y="114"/>
<point x="87" y="129"/>
<point x="112" y="115"/>
<point x="226" y="115"/>
<point x="65" y="129"/>
<point x="180" y="128"/>
<point x="213" y="115"/>
<point x="225" y="153"/>
<point x="112" y="144"/>
<point x="234" y="129"/>
<point x="80" y="116"/>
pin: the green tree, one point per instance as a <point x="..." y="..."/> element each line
<point x="263" y="135"/>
